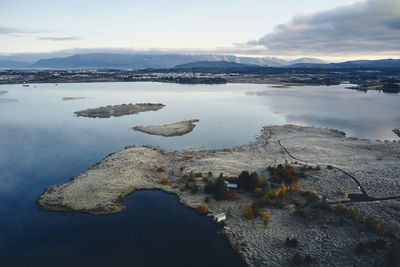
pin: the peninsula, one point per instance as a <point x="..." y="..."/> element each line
<point x="306" y="195"/>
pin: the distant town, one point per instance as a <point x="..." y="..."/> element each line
<point x="385" y="79"/>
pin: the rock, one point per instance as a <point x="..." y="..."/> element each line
<point x="396" y="131"/>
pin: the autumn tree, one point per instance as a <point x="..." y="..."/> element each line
<point x="250" y="213"/>
<point x="202" y="209"/>
<point x="266" y="218"/>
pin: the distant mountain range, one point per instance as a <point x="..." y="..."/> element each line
<point x="164" y="61"/>
<point x="213" y="64"/>
<point x="13" y="64"/>
<point x="141" y="61"/>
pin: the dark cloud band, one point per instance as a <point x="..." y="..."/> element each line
<point x="360" y="28"/>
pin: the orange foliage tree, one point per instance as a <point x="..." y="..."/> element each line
<point x="164" y="181"/>
<point x="202" y="209"/>
<point x="250" y="213"/>
<point x="265" y="218"/>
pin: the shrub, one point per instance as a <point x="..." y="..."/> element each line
<point x="257" y="190"/>
<point x="202" y="209"/>
<point x="286" y="174"/>
<point x="265" y="218"/>
<point x="188" y="185"/>
<point x="205" y="179"/>
<point x="380" y="244"/>
<point x="164" y="181"/>
<point x="194" y="188"/>
<point x="210" y="174"/>
<point x="209" y="188"/>
<point x="207" y="199"/>
<point x="267" y="186"/>
<point x="366" y="247"/>
<point x="300" y="211"/>
<point x="231" y="194"/>
<point x="271" y="170"/>
<point x="256" y="209"/>
<point x="161" y="169"/>
<point x="382" y="229"/>
<point x="372" y="223"/>
<point x="198" y="174"/>
<point x="308" y="259"/>
<point x="318" y="213"/>
<point x="360" y="249"/>
<point x="291" y="242"/>
<point x="296" y="259"/>
<point x="220" y="189"/>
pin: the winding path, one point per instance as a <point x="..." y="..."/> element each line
<point x="364" y="197"/>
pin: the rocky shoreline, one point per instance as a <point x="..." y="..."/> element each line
<point x="326" y="239"/>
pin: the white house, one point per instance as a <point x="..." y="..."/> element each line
<point x="219" y="217"/>
<point x="231" y="186"/>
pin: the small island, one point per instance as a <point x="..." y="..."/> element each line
<point x="68" y="98"/>
<point x="294" y="196"/>
<point x="118" y="110"/>
<point x="173" y="129"/>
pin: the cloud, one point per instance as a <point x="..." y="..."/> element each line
<point x="12" y="30"/>
<point x="360" y="28"/>
<point x="64" y="38"/>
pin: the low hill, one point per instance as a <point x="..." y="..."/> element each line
<point x="213" y="64"/>
<point x="374" y="64"/>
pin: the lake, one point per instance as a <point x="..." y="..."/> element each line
<point x="42" y="143"/>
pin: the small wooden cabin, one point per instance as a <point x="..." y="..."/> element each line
<point x="219" y="217"/>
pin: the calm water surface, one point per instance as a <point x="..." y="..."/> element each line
<point x="42" y="143"/>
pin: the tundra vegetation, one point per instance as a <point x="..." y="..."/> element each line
<point x="279" y="189"/>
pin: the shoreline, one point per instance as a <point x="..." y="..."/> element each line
<point x="101" y="189"/>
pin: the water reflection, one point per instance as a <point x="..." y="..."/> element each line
<point x="372" y="115"/>
<point x="42" y="143"/>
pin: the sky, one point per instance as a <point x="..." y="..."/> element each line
<point x="327" y="29"/>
